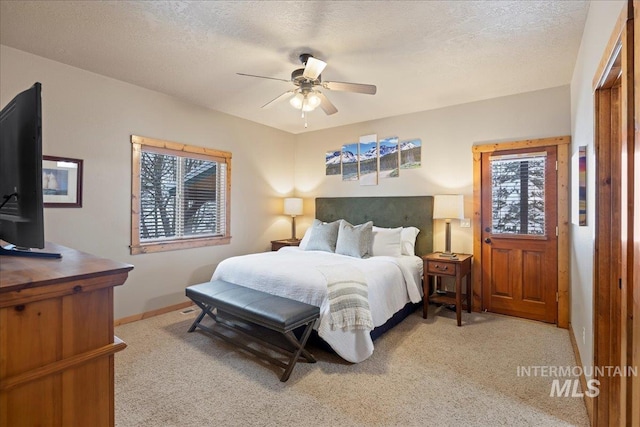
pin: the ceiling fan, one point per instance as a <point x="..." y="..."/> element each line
<point x="306" y="96"/>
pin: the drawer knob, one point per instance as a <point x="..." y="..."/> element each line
<point x="444" y="267"/>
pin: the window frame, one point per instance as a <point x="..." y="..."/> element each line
<point x="140" y="144"/>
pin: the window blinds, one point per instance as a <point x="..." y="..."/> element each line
<point x="518" y="202"/>
<point x="181" y="196"/>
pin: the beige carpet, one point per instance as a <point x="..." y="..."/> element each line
<point x="422" y="373"/>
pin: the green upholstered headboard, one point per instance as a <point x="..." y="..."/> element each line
<point x="416" y="211"/>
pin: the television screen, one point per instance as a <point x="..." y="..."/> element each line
<point x="21" y="211"/>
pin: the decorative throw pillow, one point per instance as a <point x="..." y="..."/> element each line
<point x="386" y="242"/>
<point x="408" y="240"/>
<point x="323" y="236"/>
<point x="307" y="234"/>
<point x="354" y="240"/>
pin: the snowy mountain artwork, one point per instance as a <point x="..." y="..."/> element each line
<point x="332" y="162"/>
<point x="349" y="159"/>
<point x="389" y="157"/>
<point x="410" y="154"/>
<point x="368" y="160"/>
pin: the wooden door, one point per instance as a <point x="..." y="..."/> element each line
<point x="519" y="233"/>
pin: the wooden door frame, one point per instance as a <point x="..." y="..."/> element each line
<point x="616" y="284"/>
<point x="633" y="296"/>
<point x="562" y="143"/>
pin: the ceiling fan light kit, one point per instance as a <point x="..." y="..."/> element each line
<point x="305" y="97"/>
<point x="305" y="101"/>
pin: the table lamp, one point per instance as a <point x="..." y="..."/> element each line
<point x="448" y="207"/>
<point x="293" y="207"/>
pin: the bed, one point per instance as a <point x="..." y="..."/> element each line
<point x="393" y="283"/>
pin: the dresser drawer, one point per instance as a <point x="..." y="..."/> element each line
<point x="442" y="268"/>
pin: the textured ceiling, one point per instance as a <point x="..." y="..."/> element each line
<point x="420" y="54"/>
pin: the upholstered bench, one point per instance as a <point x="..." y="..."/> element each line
<point x="258" y="315"/>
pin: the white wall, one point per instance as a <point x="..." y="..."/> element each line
<point x="599" y="26"/>
<point x="91" y="117"/>
<point x="447" y="136"/>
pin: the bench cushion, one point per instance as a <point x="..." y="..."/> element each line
<point x="271" y="311"/>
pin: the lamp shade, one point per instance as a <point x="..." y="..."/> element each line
<point x="448" y="206"/>
<point x="293" y="206"/>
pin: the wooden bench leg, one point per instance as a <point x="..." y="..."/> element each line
<point x="307" y="356"/>
<point x="294" y="355"/>
<point x="205" y="310"/>
<point x="300" y="349"/>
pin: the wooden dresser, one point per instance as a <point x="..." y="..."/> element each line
<point x="56" y="339"/>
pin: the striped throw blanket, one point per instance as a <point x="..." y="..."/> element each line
<point x="348" y="297"/>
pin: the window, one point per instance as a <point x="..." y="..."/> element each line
<point x="518" y="194"/>
<point x="180" y="196"/>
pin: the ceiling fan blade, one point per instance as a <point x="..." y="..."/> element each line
<point x="263" y="77"/>
<point x="326" y="105"/>
<point x="350" y="87"/>
<point x="285" y="95"/>
<point x="313" y="68"/>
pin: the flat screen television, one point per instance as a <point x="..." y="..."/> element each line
<point x="21" y="206"/>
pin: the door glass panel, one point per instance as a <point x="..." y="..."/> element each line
<point x="517" y="197"/>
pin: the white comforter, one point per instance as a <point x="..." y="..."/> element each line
<point x="292" y="273"/>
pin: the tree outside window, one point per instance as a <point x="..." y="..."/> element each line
<point x="180" y="196"/>
<point x="518" y="195"/>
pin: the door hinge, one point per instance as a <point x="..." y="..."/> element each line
<point x="556" y="231"/>
<point x="620" y="283"/>
<point x="557" y="297"/>
<point x="556" y="165"/>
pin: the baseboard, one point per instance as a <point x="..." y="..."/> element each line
<point x="588" y="401"/>
<point x="152" y="313"/>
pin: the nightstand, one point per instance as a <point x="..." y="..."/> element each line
<point x="437" y="267"/>
<point x="277" y="244"/>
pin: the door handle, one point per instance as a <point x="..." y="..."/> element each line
<point x="487" y="240"/>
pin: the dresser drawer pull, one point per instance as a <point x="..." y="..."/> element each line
<point x="442" y="268"/>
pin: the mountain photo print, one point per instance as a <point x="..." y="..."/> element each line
<point x="350" y="162"/>
<point x="410" y="154"/>
<point x="332" y="162"/>
<point x="389" y="157"/>
<point x="368" y="160"/>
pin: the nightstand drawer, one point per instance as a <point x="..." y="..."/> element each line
<point x="441" y="268"/>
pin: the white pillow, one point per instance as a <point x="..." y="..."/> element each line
<point x="408" y="240"/>
<point x="386" y="241"/>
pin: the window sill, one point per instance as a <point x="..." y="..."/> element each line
<point x="173" y="245"/>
